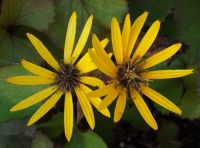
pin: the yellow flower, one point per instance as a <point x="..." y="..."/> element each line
<point x="129" y="76"/>
<point x="68" y="77"/>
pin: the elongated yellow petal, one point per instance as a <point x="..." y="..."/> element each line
<point x="102" y="91"/>
<point x="147" y="41"/>
<point x="104" y="42"/>
<point x="126" y="34"/>
<point x="35" y="98"/>
<point x="82" y="40"/>
<point x="45" y="107"/>
<point x="38" y="70"/>
<point x="116" y="41"/>
<point x="144" y="110"/>
<point x="102" y="53"/>
<point x="134" y="33"/>
<point x="68" y="115"/>
<point x="161" y="56"/>
<point x="160" y="99"/>
<point x="91" y="81"/>
<point x="166" y="74"/>
<point x="29" y="80"/>
<point x="109" y="98"/>
<point x="70" y="38"/>
<point x="120" y="106"/>
<point x="85" y="64"/>
<point x="95" y="101"/>
<point x="43" y="51"/>
<point x="86" y="107"/>
<point x="102" y="66"/>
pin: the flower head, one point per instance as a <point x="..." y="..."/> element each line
<point x="68" y="77"/>
<point x="129" y="74"/>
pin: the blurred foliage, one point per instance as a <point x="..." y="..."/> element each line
<point x="15" y="133"/>
<point x="48" y="20"/>
<point x="190" y="103"/>
<point x="84" y="9"/>
<point x="88" y="139"/>
<point x="168" y="139"/>
<point x="41" y="141"/>
<point x="186" y="14"/>
<point x="153" y="7"/>
<point x="31" y="13"/>
<point x="56" y="125"/>
<point x="16" y="18"/>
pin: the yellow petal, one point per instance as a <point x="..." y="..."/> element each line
<point x="85" y="64"/>
<point x="70" y="38"/>
<point x="109" y="98"/>
<point x="82" y="40"/>
<point x="125" y="34"/>
<point x="161" y="56"/>
<point x="43" y="51"/>
<point x="144" y="110"/>
<point x="102" y="91"/>
<point x="45" y="107"/>
<point x="102" y="66"/>
<point x="68" y="115"/>
<point x="35" y="98"/>
<point x="166" y="74"/>
<point x="120" y="106"/>
<point x="95" y="101"/>
<point x="147" y="41"/>
<point x="29" y="80"/>
<point x="116" y="41"/>
<point x="86" y="107"/>
<point x="102" y="53"/>
<point x="91" y="81"/>
<point x="159" y="99"/>
<point x="104" y="42"/>
<point x="134" y="33"/>
<point x="38" y="70"/>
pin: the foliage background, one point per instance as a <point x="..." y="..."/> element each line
<point x="48" y="19"/>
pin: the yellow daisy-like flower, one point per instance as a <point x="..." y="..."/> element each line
<point x="129" y="76"/>
<point x="68" y="77"/>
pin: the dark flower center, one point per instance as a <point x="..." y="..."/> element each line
<point x="68" y="77"/>
<point x="129" y="75"/>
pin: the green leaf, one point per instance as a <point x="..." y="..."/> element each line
<point x="187" y="14"/>
<point x="112" y="8"/>
<point x="16" y="134"/>
<point x="168" y="27"/>
<point x="102" y="10"/>
<point x="168" y="139"/>
<point x="41" y="141"/>
<point x="157" y="9"/>
<point x="104" y="126"/>
<point x="11" y="94"/>
<point x="54" y="127"/>
<point x="88" y="139"/>
<point x="36" y="14"/>
<point x="190" y="104"/>
<point x="18" y="17"/>
<point x="13" y="49"/>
